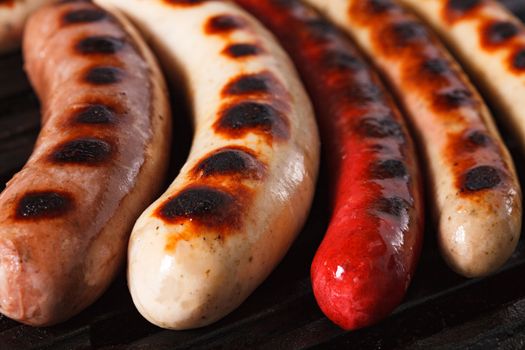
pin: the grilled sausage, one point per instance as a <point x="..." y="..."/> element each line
<point x="490" y="42"/>
<point x="13" y="16"/>
<point x="366" y="261"/>
<point x="98" y="162"/>
<point x="472" y="180"/>
<point x="246" y="188"/>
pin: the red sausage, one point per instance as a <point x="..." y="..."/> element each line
<point x="366" y="261"/>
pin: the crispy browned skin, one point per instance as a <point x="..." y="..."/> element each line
<point x="473" y="184"/>
<point x="98" y="162"/>
<point x="375" y="182"/>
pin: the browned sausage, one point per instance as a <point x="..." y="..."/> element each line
<point x="367" y="259"/>
<point x="472" y="182"/>
<point x="98" y="162"/>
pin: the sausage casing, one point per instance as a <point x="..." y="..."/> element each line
<point x="472" y="181"/>
<point x="248" y="183"/>
<point x="366" y="261"/>
<point x="98" y="162"/>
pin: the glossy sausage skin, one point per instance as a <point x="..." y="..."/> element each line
<point x="366" y="261"/>
<point x="472" y="182"/>
<point x="98" y="162"/>
<point x="490" y="42"/>
<point x="13" y="16"/>
<point x="247" y="185"/>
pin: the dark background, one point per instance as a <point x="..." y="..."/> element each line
<point x="441" y="311"/>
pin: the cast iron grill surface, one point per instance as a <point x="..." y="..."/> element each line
<point x="441" y="311"/>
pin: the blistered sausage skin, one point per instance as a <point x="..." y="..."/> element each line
<point x="366" y="261"/>
<point x="98" y="162"/>
<point x="13" y="16"/>
<point x="490" y="42"/>
<point x="472" y="180"/>
<point x="246" y="188"/>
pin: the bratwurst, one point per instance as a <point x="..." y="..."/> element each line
<point x="98" y="162"/>
<point x="248" y="183"/>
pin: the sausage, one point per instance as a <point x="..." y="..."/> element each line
<point x="98" y="162"/>
<point x="247" y="185"/>
<point x="490" y="43"/>
<point x="364" y="265"/>
<point x="471" y="178"/>
<point x="13" y="15"/>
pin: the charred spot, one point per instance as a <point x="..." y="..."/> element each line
<point x="103" y="75"/>
<point x="394" y="206"/>
<point x="363" y="93"/>
<point x="500" y="31"/>
<point x="480" y="178"/>
<point x="95" y="114"/>
<point x="462" y="5"/>
<point x="7" y="2"/>
<point x="246" y="116"/>
<point x="249" y="84"/>
<point x="379" y="127"/>
<point x="40" y="205"/>
<point x="380" y="6"/>
<point x="454" y="98"/>
<point x="203" y="204"/>
<point x="230" y="161"/>
<point x="99" y="44"/>
<point x="518" y="59"/>
<point x="223" y="24"/>
<point x="388" y="169"/>
<point x="185" y="2"/>
<point x="405" y="33"/>
<point x="242" y="50"/>
<point x="436" y="66"/>
<point x="319" y="27"/>
<point x="84" y="16"/>
<point x="85" y="151"/>
<point x="342" y="60"/>
<point x="478" y="139"/>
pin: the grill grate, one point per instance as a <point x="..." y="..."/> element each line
<point x="442" y="309"/>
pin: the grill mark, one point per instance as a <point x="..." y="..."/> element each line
<point x="406" y="33"/>
<point x="480" y="178"/>
<point x="394" y="206"/>
<point x="244" y="117"/>
<point x="457" y="9"/>
<point x="95" y="114"/>
<point x="342" y="60"/>
<point x="185" y="2"/>
<point x="381" y="6"/>
<point x="360" y="94"/>
<point x="388" y="169"/>
<point x="82" y="151"/>
<point x="477" y="139"/>
<point x="452" y="99"/>
<point x="99" y="45"/>
<point x="230" y="161"/>
<point x="249" y="84"/>
<point x="497" y="32"/>
<point x="379" y="127"/>
<point x="435" y="66"/>
<point x="103" y="75"/>
<point x="84" y="16"/>
<point x="242" y="50"/>
<point x="319" y="27"/>
<point x="518" y="60"/>
<point x="221" y="24"/>
<point x="43" y="205"/>
<point x="203" y="205"/>
<point x="462" y="5"/>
